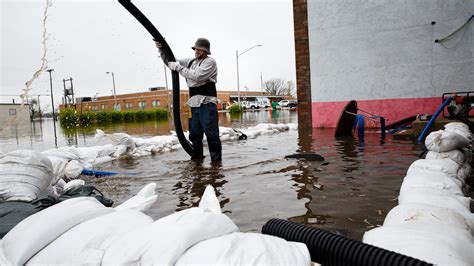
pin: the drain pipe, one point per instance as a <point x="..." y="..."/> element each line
<point x="330" y="249"/>
<point x="127" y="4"/>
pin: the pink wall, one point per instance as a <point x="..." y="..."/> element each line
<point x="326" y="114"/>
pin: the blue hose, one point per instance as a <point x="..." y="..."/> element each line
<point x="433" y="118"/>
<point x="97" y="172"/>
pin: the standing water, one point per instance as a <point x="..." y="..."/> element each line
<point x="349" y="193"/>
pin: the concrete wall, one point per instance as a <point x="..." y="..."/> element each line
<point x="380" y="50"/>
<point x="14" y="114"/>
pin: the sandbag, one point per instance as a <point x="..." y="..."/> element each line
<point x="246" y="249"/>
<point x="142" y="201"/>
<point x="412" y="213"/>
<point x="421" y="166"/>
<point x="459" y="128"/>
<point x="165" y="240"/>
<point x="443" y="140"/>
<point x="59" y="168"/>
<point x="440" y="245"/>
<point x="434" y="197"/>
<point x="86" y="191"/>
<point x="24" y="175"/>
<point x="86" y="242"/>
<point x="455" y="155"/>
<point x="35" y="232"/>
<point x="437" y="180"/>
<point x="73" y="170"/>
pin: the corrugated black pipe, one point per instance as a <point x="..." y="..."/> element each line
<point x="187" y="146"/>
<point x="330" y="249"/>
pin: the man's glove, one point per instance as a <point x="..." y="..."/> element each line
<point x="175" y="66"/>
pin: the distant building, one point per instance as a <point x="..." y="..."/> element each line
<point x="158" y="98"/>
<point x="15" y="113"/>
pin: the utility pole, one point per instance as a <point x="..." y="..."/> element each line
<point x="261" y="82"/>
<point x="68" y="92"/>
<point x="115" y="93"/>
<point x="52" y="106"/>
<point x="237" y="54"/>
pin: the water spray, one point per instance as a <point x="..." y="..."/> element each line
<point x="43" y="67"/>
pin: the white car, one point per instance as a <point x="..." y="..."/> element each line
<point x="284" y="103"/>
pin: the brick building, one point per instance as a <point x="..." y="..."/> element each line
<point x="158" y="98"/>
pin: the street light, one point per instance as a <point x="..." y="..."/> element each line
<point x="115" y="94"/>
<point x="237" y="54"/>
<point x="52" y="105"/>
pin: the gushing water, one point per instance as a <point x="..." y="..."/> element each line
<point x="43" y="67"/>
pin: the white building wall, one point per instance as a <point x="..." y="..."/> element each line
<point x="385" y="49"/>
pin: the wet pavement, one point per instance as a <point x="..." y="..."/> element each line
<point x="348" y="193"/>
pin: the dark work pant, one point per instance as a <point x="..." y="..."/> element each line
<point x="205" y="121"/>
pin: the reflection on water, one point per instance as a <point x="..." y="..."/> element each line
<point x="357" y="185"/>
<point x="349" y="193"/>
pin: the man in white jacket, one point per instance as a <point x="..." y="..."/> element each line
<point x="201" y="77"/>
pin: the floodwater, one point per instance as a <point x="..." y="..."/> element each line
<point x="349" y="193"/>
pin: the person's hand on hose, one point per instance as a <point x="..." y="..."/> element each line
<point x="158" y="45"/>
<point x="175" y="66"/>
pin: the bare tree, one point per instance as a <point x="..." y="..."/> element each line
<point x="278" y="86"/>
<point x="34" y="109"/>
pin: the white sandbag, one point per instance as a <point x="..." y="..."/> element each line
<point x="121" y="150"/>
<point x="457" y="125"/>
<point x="3" y="260"/>
<point x="24" y="175"/>
<point x="142" y="201"/>
<point x="102" y="160"/>
<point x="422" y="214"/>
<point x="459" y="128"/>
<point x="435" y="197"/>
<point x="421" y="166"/>
<point x="68" y="153"/>
<point x="246" y="249"/>
<point x="455" y="155"/>
<point x="73" y="184"/>
<point x="59" y="168"/>
<point x="209" y="200"/>
<point x="86" y="242"/>
<point x="118" y="139"/>
<point x="38" y="230"/>
<point x="437" y="180"/>
<point x="165" y="240"/>
<point x="437" y="245"/>
<point x="442" y="141"/>
<point x="73" y="169"/>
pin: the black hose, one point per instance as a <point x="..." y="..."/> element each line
<point x="330" y="249"/>
<point x="187" y="146"/>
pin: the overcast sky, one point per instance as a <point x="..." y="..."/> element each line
<point x="89" y="38"/>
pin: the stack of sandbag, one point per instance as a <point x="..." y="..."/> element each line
<point x="81" y="231"/>
<point x="24" y="175"/>
<point x="433" y="220"/>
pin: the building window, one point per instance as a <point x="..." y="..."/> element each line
<point x="117" y="107"/>
<point x="128" y="106"/>
<point x="12" y="111"/>
<point x="103" y="106"/>
<point x="142" y="105"/>
<point x="94" y="108"/>
<point x="155" y="103"/>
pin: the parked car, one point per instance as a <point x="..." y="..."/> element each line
<point x="283" y="103"/>
<point x="250" y="105"/>
<point x="292" y="104"/>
